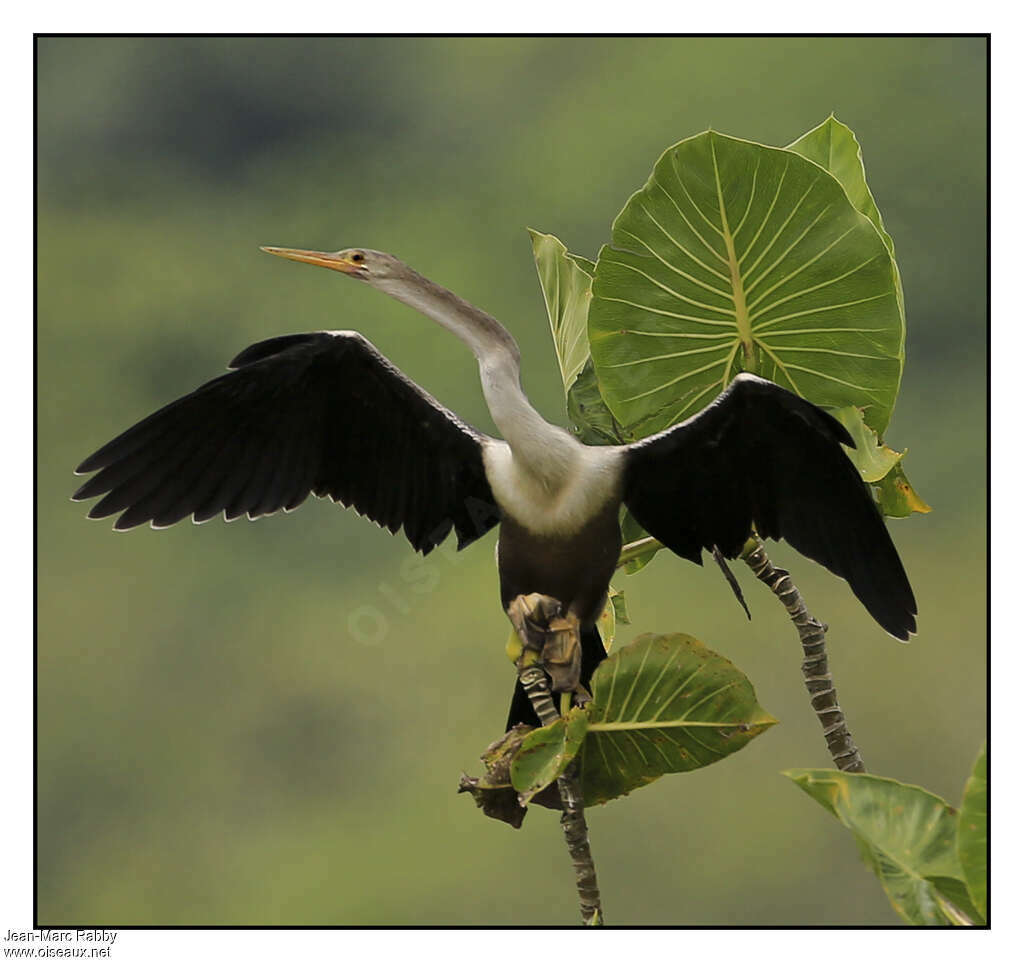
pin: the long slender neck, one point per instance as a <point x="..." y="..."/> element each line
<point x="486" y="336"/>
<point x="540" y="447"/>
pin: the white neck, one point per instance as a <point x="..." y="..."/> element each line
<point x="542" y="449"/>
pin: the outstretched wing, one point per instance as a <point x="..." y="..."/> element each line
<point x="759" y="454"/>
<point x="325" y="413"/>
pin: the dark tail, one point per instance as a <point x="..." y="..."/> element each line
<point x="593" y="654"/>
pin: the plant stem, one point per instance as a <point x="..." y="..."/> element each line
<point x="636" y="549"/>
<point x="817" y="677"/>
<point x="570" y="791"/>
<point x="574" y="828"/>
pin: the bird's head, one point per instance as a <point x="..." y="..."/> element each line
<point x="356" y="262"/>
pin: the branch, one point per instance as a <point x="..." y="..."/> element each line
<point x="574" y="825"/>
<point x="817" y="677"/>
<point x="635" y="549"/>
<point x="574" y="828"/>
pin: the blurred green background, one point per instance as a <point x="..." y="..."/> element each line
<point x="264" y="723"/>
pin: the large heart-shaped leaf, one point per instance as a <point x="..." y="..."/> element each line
<point x="663" y="703"/>
<point x="906" y="834"/>
<point x="739" y="256"/>
<point x="833" y="146"/>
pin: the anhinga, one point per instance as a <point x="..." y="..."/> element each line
<point x="326" y="413"/>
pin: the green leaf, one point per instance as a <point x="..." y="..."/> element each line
<point x="897" y="497"/>
<point x="972" y="833"/>
<point x="905" y="834"/>
<point x="584" y="264"/>
<point x="612" y="615"/>
<point x="663" y="703"/>
<point x="633" y="532"/>
<point x="618" y="601"/>
<point x="873" y="460"/>
<point x="545" y="753"/>
<point x="954" y="901"/>
<point x="606" y="623"/>
<point x="566" y="288"/>
<point x="880" y="465"/>
<point x="833" y="146"/>
<point x="739" y="256"/>
<point x="592" y="422"/>
<point x="565" y="280"/>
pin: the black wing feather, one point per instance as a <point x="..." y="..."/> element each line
<point x="324" y="413"/>
<point x="759" y="454"/>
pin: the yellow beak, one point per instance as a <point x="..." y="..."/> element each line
<point x="336" y="261"/>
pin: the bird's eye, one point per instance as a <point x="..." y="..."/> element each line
<point x="358" y="258"/>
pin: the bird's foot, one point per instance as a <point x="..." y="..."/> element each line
<point x="549" y="638"/>
<point x="562" y="654"/>
<point x="581" y="697"/>
<point x="530" y="616"/>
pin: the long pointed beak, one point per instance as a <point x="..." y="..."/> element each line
<point x="336" y="261"/>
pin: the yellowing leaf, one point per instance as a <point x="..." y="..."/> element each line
<point x="897" y="497"/>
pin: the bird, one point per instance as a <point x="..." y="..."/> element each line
<point x="325" y="413"/>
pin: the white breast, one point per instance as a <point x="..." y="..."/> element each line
<point x="592" y="477"/>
